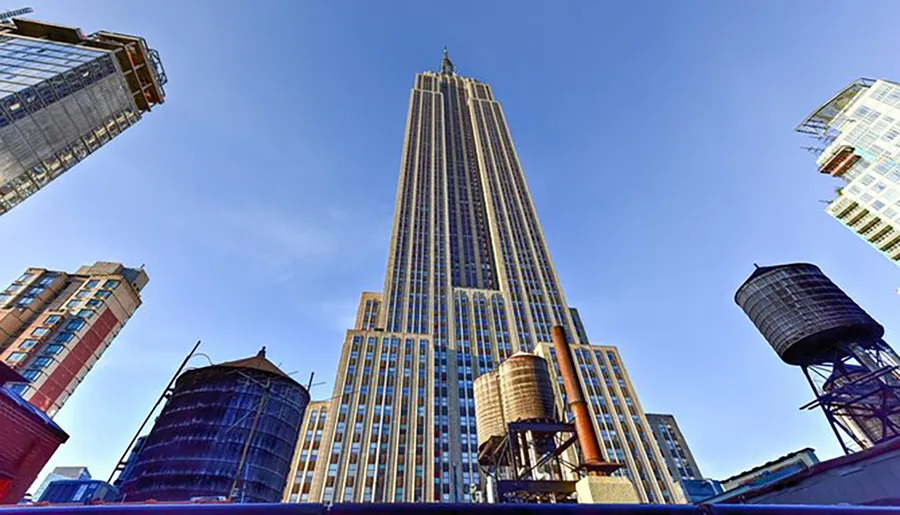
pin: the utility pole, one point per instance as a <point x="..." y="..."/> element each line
<point x="263" y="401"/>
<point x="121" y="463"/>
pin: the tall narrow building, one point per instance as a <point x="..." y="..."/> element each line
<point x="680" y="459"/>
<point x="857" y="133"/>
<point x="469" y="282"/>
<point x="63" y="95"/>
<point x="306" y="454"/>
<point x="674" y="447"/>
<point x="54" y="326"/>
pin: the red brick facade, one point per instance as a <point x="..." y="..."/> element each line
<point x="28" y="443"/>
<point x="75" y="361"/>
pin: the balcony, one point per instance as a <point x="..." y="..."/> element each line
<point x="841" y="161"/>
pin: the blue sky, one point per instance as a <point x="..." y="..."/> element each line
<point x="657" y="138"/>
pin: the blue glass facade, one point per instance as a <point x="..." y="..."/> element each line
<point x="227" y="431"/>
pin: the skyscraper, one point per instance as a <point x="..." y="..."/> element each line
<point x="54" y="326"/>
<point x="679" y="459"/>
<point x="674" y="447"/>
<point x="858" y="142"/>
<point x="63" y="95"/>
<point x="469" y="282"/>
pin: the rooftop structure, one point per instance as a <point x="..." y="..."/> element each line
<point x="227" y="431"/>
<point x="61" y="473"/>
<point x="811" y="323"/>
<point x="868" y="477"/>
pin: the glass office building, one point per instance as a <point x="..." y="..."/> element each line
<point x="469" y="282"/>
<point x="63" y="95"/>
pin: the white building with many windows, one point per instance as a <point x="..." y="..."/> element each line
<point x="859" y="134"/>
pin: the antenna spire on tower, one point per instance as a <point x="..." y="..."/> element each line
<point x="446" y="63"/>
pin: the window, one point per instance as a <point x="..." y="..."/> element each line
<point x="86" y="313"/>
<point x="53" y="349"/>
<point x="31" y="374"/>
<point x="24" y="301"/>
<point x="23" y="278"/>
<point x="27" y="344"/>
<point x="72" y="304"/>
<point x="18" y="388"/>
<point x="52" y="319"/>
<point x="111" y="284"/>
<point x="102" y="294"/>
<point x="42" y="362"/>
<point x="94" y="303"/>
<point x="82" y="294"/>
<point x="92" y="284"/>
<point x="75" y="324"/>
<point x="15" y="357"/>
<point x="40" y="331"/>
<point x="63" y="337"/>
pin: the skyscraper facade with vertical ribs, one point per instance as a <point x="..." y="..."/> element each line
<point x="469" y="282"/>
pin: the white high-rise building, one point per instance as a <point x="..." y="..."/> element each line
<point x="858" y="131"/>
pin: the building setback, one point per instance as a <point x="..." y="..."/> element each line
<point x="857" y="135"/>
<point x="54" y="325"/>
<point x="63" y="95"/>
<point x="469" y="282"/>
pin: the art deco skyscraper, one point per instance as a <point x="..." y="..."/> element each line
<point x="469" y="282"/>
<point x="54" y="326"/>
<point x="63" y="95"/>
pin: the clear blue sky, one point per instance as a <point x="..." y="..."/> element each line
<point x="657" y="138"/>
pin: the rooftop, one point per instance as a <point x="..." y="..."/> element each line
<point x="770" y="463"/>
<point x="818" y="123"/>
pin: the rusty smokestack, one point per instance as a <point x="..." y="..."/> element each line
<point x="584" y="427"/>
